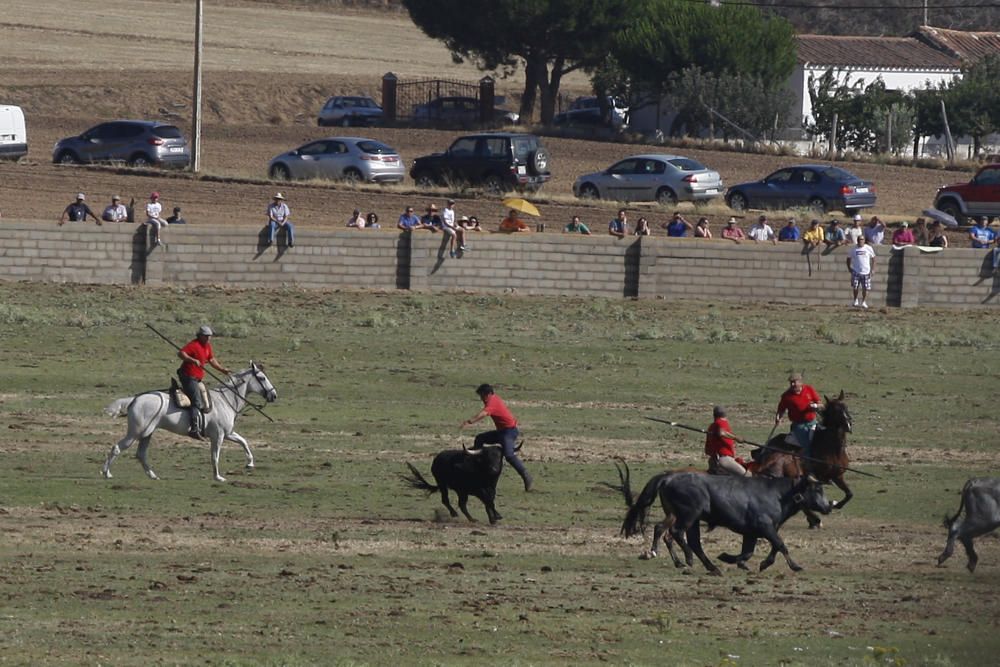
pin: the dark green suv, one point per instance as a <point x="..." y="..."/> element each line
<point x="497" y="161"/>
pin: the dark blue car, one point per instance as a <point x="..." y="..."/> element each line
<point x="817" y="186"/>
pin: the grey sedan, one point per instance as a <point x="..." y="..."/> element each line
<point x="666" y="179"/>
<point x="352" y="159"/>
<point x="820" y="187"/>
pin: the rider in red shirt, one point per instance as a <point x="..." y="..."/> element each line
<point x="719" y="447"/>
<point x="195" y="355"/>
<point x="801" y="402"/>
<point x="506" y="430"/>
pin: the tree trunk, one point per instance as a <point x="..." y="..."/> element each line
<point x="549" y="86"/>
<point x="530" y="90"/>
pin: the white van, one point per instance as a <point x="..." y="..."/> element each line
<point x="13" y="135"/>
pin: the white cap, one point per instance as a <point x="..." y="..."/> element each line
<point x="81" y="197"/>
<point x="205" y="330"/>
<point x="857" y="217"/>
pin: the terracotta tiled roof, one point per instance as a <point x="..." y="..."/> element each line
<point x="873" y="52"/>
<point x="967" y="46"/>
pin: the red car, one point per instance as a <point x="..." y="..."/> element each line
<point x="980" y="196"/>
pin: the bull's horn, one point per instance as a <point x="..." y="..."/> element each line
<point x="811" y="479"/>
<point x="519" y="445"/>
<point x="471" y="452"/>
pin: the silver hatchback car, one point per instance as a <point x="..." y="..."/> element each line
<point x="666" y="179"/>
<point x="351" y="159"/>
<point x="140" y="143"/>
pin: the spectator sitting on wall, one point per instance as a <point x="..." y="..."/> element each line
<point x="920" y="233"/>
<point x="642" y="228"/>
<point x="903" y="236"/>
<point x="834" y="236"/>
<point x="154" y="211"/>
<point x="115" y="211"/>
<point x="278" y="219"/>
<point x="176" y="218"/>
<point x="431" y="220"/>
<point x="937" y="236"/>
<point x="356" y="220"/>
<point x="618" y="227"/>
<point x="790" y="232"/>
<point x="981" y="235"/>
<point x="576" y="227"/>
<point x="701" y="230"/>
<point x="470" y="223"/>
<point x="678" y="226"/>
<point x="813" y="236"/>
<point x="761" y="231"/>
<point x="854" y="231"/>
<point x="408" y="220"/>
<point x="78" y="211"/>
<point x="875" y="231"/>
<point x="732" y="231"/>
<point x="512" y="224"/>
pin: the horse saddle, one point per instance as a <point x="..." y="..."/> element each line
<point x="177" y="395"/>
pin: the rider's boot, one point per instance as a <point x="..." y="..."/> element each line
<point x="195" y="430"/>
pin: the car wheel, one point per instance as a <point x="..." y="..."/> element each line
<point x="424" y="180"/>
<point x="738" y="201"/>
<point x="140" y="160"/>
<point x="666" y="196"/>
<point x="280" y="172"/>
<point x="67" y="157"/>
<point x="353" y="176"/>
<point x="818" y="205"/>
<point x="539" y="161"/>
<point x="345" y="121"/>
<point x="589" y="191"/>
<point x="494" y="185"/>
<point x="952" y="208"/>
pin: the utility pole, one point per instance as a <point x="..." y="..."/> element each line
<point x="925" y="12"/>
<point x="196" y="111"/>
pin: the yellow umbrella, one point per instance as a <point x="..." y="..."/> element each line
<point x="522" y="205"/>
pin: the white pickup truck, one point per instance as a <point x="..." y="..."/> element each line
<point x="13" y="135"/>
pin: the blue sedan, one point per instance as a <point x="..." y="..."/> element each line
<point x="817" y="186"/>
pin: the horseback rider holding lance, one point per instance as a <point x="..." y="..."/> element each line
<point x="196" y="354"/>
<point x="719" y="441"/>
<point x="801" y="402"/>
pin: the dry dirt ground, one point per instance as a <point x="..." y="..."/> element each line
<point x="267" y="72"/>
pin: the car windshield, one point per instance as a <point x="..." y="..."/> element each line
<point x="375" y="148"/>
<point x="167" y="132"/>
<point x="523" y="146"/>
<point x="686" y="164"/>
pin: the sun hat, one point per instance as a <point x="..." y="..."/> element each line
<point x="279" y="196"/>
<point x="115" y="198"/>
<point x="731" y="221"/>
<point x="857" y="217"/>
<point x="81" y="197"/>
<point x="464" y="218"/>
<point x="432" y="207"/>
<point x="205" y="330"/>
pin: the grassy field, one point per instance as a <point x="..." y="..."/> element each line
<point x="321" y="555"/>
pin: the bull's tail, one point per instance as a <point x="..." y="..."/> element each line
<point x="417" y="481"/>
<point x="949" y="521"/>
<point x="119" y="408"/>
<point x="635" y="519"/>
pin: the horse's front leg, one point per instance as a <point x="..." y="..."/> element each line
<point x="217" y="438"/>
<point x="842" y="485"/>
<point x="141" y="454"/>
<point x="241" y="441"/>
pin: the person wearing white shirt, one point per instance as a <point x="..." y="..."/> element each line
<point x="761" y="231"/>
<point x="854" y="231"/>
<point x="875" y="231"/>
<point x="154" y="219"/>
<point x="861" y="263"/>
<point x="116" y="211"/>
<point x="454" y="232"/>
<point x="278" y="215"/>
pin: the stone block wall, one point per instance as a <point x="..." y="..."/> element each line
<point x="73" y="253"/>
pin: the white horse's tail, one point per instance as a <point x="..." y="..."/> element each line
<point x="119" y="408"/>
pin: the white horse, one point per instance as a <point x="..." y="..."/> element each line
<point x="153" y="409"/>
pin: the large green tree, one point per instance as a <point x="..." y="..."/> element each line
<point x="549" y="38"/>
<point x="670" y="36"/>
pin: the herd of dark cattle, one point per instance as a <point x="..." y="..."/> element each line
<point x="755" y="507"/>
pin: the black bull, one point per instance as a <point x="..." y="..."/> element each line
<point x="752" y="507"/>
<point x="467" y="473"/>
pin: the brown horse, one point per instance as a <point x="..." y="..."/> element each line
<point x="827" y="457"/>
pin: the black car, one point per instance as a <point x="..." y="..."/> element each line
<point x="497" y="161"/>
<point x="817" y="186"/>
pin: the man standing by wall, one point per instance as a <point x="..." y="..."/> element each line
<point x="861" y="263"/>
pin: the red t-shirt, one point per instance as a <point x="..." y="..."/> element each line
<point x="715" y="443"/>
<point x="200" y="352"/>
<point x="798" y="404"/>
<point x="497" y="409"/>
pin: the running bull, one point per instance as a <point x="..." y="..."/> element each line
<point x="981" y="502"/>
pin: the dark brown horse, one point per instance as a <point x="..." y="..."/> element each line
<point x="827" y="456"/>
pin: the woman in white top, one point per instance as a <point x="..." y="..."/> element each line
<point x="154" y="209"/>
